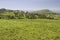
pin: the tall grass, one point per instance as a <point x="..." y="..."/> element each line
<point x="30" y="29"/>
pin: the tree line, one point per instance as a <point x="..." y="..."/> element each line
<point x="17" y="14"/>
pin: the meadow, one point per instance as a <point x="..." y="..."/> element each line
<point x="29" y="29"/>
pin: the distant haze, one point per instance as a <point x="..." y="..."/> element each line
<point x="30" y="5"/>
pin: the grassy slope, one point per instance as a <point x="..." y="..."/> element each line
<point x="38" y="29"/>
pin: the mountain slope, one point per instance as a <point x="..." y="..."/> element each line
<point x="44" y="11"/>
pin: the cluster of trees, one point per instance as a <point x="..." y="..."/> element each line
<point x="17" y="14"/>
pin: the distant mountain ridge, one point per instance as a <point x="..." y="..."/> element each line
<point x="46" y="11"/>
<point x="37" y="11"/>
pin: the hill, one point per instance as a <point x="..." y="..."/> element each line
<point x="44" y="11"/>
<point x="19" y="14"/>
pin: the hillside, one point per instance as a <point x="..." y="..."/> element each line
<point x="19" y="14"/>
<point x="44" y="11"/>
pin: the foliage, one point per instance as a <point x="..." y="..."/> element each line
<point x="17" y="14"/>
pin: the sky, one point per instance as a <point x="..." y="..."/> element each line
<point x="30" y="4"/>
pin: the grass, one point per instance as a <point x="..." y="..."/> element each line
<point x="30" y="29"/>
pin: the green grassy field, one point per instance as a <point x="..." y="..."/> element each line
<point x="30" y="29"/>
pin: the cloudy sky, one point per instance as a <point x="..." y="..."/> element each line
<point x="30" y="4"/>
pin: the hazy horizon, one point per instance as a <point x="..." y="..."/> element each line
<point x="30" y="4"/>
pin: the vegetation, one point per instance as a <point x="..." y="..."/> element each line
<point x="30" y="29"/>
<point x="17" y="14"/>
<point x="36" y="25"/>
